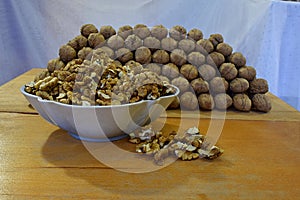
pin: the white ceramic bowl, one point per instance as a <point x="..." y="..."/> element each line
<point x="100" y="123"/>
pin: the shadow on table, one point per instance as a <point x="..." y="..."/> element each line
<point x="65" y="152"/>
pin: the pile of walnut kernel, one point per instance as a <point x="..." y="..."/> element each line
<point x="185" y="146"/>
<point x="99" y="81"/>
<point x="209" y="74"/>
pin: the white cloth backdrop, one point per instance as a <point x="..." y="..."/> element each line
<point x="263" y="30"/>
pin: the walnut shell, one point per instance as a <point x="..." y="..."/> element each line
<point x="107" y="31"/>
<point x="259" y="85"/>
<point x="175" y="103"/>
<point x="200" y="86"/>
<point x="78" y="42"/>
<point x="115" y="42"/>
<point x="261" y="102"/>
<point x="218" y="85"/>
<point x="224" y="49"/>
<point x="152" y="43"/>
<point x="204" y="46"/>
<point x="168" y="44"/>
<point x="143" y="55"/>
<point x="96" y="40"/>
<point x="196" y="58"/>
<point x="141" y="30"/>
<point x="125" y="31"/>
<point x="67" y="53"/>
<point x="170" y="70"/>
<point x="206" y="101"/>
<point x="87" y="29"/>
<point x="161" y="56"/>
<point x="237" y="59"/>
<point x="215" y="59"/>
<point x="247" y="72"/>
<point x="133" y="42"/>
<point x="242" y="102"/>
<point x="216" y="39"/>
<point x="189" y="71"/>
<point x="188" y="100"/>
<point x="85" y="53"/>
<point x="123" y="55"/>
<point x="109" y="52"/>
<point x="239" y="85"/>
<point x="195" y="34"/>
<point x="159" y="31"/>
<point x="178" y="57"/>
<point x="177" y="32"/>
<point x="187" y="45"/>
<point x="182" y="83"/>
<point x="222" y="101"/>
<point x="228" y="71"/>
<point x="55" y="64"/>
<point x="207" y="72"/>
<point x="154" y="67"/>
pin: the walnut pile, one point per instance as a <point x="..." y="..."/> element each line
<point x="206" y="67"/>
<point x="186" y="146"/>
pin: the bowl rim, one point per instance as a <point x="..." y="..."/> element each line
<point x="22" y="89"/>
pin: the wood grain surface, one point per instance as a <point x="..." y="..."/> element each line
<point x="41" y="161"/>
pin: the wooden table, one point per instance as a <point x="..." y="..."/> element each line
<point x="40" y="161"/>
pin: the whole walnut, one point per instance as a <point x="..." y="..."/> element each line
<point x="218" y="85"/>
<point x="222" y="101"/>
<point x="182" y="83"/>
<point x="261" y="102"/>
<point x="125" y="31"/>
<point x="115" y="42"/>
<point x="141" y="30"/>
<point x="228" y="71"/>
<point x="188" y="100"/>
<point x="152" y="43"/>
<point x="55" y="64"/>
<point x="107" y="31"/>
<point x="259" y="85"/>
<point x="178" y="57"/>
<point x="85" y="53"/>
<point x="239" y="85"/>
<point x="216" y="39"/>
<point x="154" y="67"/>
<point x="177" y="32"/>
<point x="224" y="49"/>
<point x="96" y="40"/>
<point x="204" y="46"/>
<point x="109" y="52"/>
<point x="200" y="86"/>
<point x="237" y="59"/>
<point x="196" y="58"/>
<point x="206" y="101"/>
<point x="123" y="55"/>
<point x="160" y="56"/>
<point x="175" y="103"/>
<point x="164" y="79"/>
<point x="67" y="53"/>
<point x="78" y="42"/>
<point x="133" y="42"/>
<point x="87" y="29"/>
<point x="207" y="72"/>
<point x="168" y="44"/>
<point x="247" y="72"/>
<point x="189" y="71"/>
<point x="159" y="31"/>
<point x="242" y="102"/>
<point x="133" y="64"/>
<point x="170" y="70"/>
<point x="187" y="45"/>
<point x="143" y="55"/>
<point x="215" y="59"/>
<point x="195" y="34"/>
